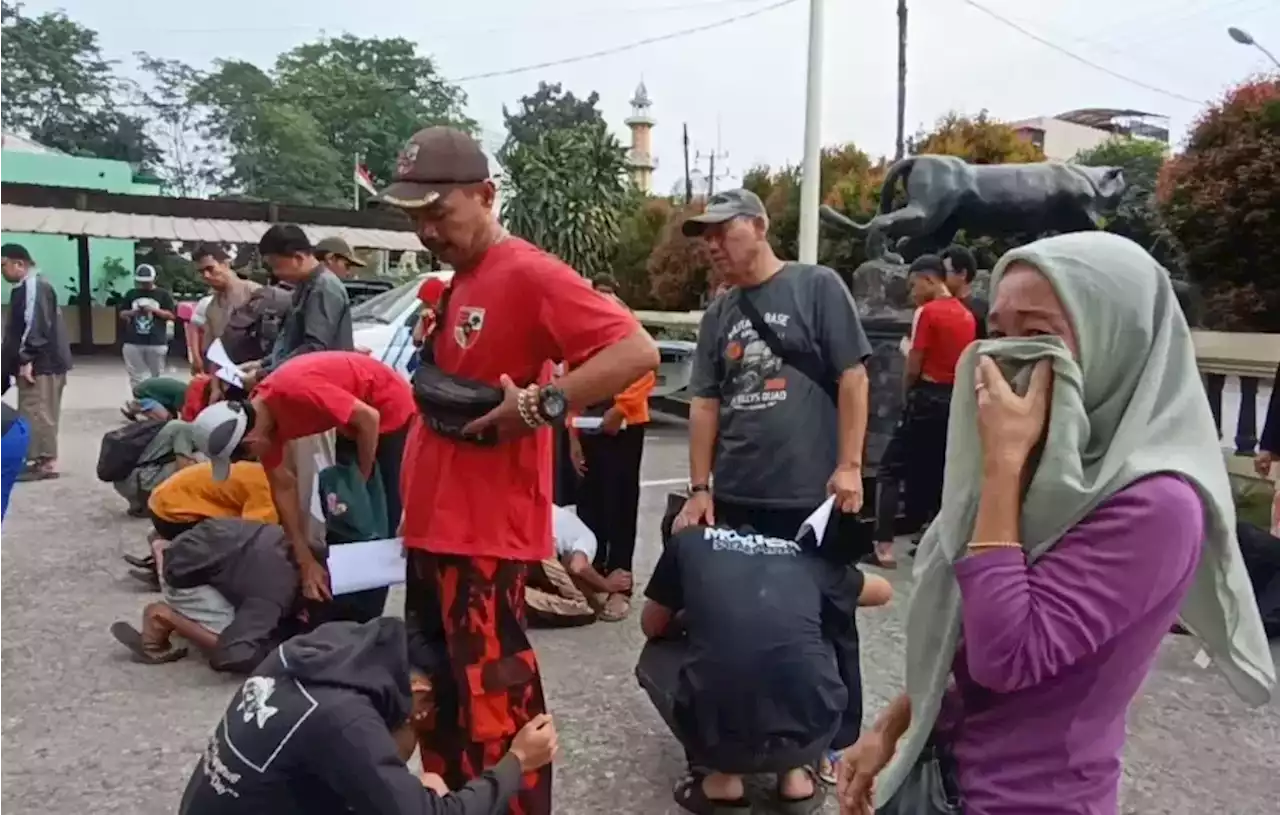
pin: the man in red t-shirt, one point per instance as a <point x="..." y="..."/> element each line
<point x="367" y="402"/>
<point x="917" y="452"/>
<point x="476" y="515"/>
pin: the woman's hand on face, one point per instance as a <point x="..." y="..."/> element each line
<point x="1011" y="425"/>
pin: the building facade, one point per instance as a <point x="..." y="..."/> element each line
<point x="1061" y="137"/>
<point x="23" y="161"/>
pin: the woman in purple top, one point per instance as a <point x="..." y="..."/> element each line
<point x="1090" y="507"/>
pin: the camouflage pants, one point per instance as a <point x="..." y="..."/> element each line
<point x="492" y="686"/>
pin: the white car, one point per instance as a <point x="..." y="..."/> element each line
<point x="384" y="325"/>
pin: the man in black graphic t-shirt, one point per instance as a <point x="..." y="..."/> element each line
<point x="145" y="313"/>
<point x="758" y="686"/>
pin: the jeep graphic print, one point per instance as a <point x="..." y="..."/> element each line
<point x="753" y="374"/>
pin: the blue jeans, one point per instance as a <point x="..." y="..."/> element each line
<point x="13" y="455"/>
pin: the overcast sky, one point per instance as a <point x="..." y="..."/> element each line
<point x="742" y="84"/>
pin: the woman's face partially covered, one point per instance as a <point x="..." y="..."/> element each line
<point x="1026" y="305"/>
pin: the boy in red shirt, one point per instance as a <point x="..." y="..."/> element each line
<point x="478" y="514"/>
<point x="367" y="402"/>
<point x="917" y="452"/>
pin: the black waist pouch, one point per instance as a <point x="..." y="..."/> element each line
<point x="449" y="403"/>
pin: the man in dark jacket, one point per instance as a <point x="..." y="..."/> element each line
<point x="320" y="317"/>
<point x="37" y="353"/>
<point x="323" y="726"/>
<point x="229" y="589"/>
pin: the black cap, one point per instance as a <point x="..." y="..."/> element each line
<point x="15" y="251"/>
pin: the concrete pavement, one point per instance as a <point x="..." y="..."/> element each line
<point x="86" y="730"/>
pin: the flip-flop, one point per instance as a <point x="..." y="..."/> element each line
<point x="149" y="577"/>
<point x="874" y="560"/>
<point x="827" y="767"/>
<point x="37" y="475"/>
<point x="690" y="796"/>
<point x="616" y="609"/>
<point x="130" y="638"/>
<point x="148" y="562"/>
<point x="800" y="806"/>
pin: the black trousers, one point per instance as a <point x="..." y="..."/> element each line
<point x="915" y="459"/>
<point x="658" y="671"/>
<point x="609" y="497"/>
<point x="170" y="529"/>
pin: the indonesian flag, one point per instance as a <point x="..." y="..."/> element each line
<point x="365" y="180"/>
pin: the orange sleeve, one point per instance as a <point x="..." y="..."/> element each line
<point x="634" y="401"/>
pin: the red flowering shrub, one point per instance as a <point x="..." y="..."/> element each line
<point x="1220" y="199"/>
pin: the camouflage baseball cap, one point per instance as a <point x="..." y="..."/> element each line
<point x="436" y="160"/>
<point x="725" y="206"/>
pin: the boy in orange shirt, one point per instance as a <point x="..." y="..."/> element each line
<point x="608" y="459"/>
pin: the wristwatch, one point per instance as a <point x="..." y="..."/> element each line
<point x="695" y="488"/>
<point x="552" y="404"/>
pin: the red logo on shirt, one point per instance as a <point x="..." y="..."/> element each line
<point x="470" y="321"/>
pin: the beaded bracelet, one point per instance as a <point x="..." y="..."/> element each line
<point x="529" y="412"/>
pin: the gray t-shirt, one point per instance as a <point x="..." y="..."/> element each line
<point x="778" y="436"/>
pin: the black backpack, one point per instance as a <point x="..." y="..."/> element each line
<point x="252" y="328"/>
<point x="122" y="449"/>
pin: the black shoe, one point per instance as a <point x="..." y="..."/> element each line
<point x="147" y="576"/>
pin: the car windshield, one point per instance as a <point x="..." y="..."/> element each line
<point x="386" y="308"/>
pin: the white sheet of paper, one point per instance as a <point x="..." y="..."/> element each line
<point x="588" y="422"/>
<point x="366" y="565"/>
<point x="817" y="521"/>
<point x="227" y="371"/>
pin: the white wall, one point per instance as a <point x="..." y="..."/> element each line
<point x="1062" y="140"/>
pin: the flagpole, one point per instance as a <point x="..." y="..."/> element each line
<point x="355" y="183"/>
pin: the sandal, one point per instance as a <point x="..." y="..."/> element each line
<point x="801" y="806"/>
<point x="148" y="562"/>
<point x="690" y="796"/>
<point x="616" y="609"/>
<point x="147" y="576"/>
<point x="827" y="767"/>
<point x="130" y="638"/>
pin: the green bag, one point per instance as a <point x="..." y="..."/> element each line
<point x="354" y="509"/>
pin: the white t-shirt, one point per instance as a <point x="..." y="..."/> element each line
<point x="200" y="315"/>
<point x="572" y="535"/>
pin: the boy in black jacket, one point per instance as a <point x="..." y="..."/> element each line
<point x="323" y="726"/>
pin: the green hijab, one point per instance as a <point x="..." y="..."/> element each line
<point x="1132" y="406"/>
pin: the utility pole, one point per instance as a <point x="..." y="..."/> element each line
<point x="355" y="184"/>
<point x="811" y="177"/>
<point x="688" y="179"/>
<point x="713" y="158"/>
<point x="900" y="145"/>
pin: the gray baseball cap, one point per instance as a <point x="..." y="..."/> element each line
<point x="724" y="206"/>
<point x="217" y="432"/>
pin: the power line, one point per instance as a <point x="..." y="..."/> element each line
<point x="631" y="46"/>
<point x="1082" y="60"/>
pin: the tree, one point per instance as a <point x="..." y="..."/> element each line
<point x="186" y="164"/>
<point x="566" y="192"/>
<point x="679" y="269"/>
<point x="59" y="90"/>
<point x="275" y="150"/>
<point x="548" y="108"/>
<point x="1137" y="217"/>
<point x="368" y="96"/>
<point x="642" y="228"/>
<point x="1220" y="199"/>
<point x="976" y="139"/>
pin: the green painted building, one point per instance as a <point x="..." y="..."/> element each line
<point x="23" y="161"/>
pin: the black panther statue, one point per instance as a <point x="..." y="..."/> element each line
<point x="946" y="194"/>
